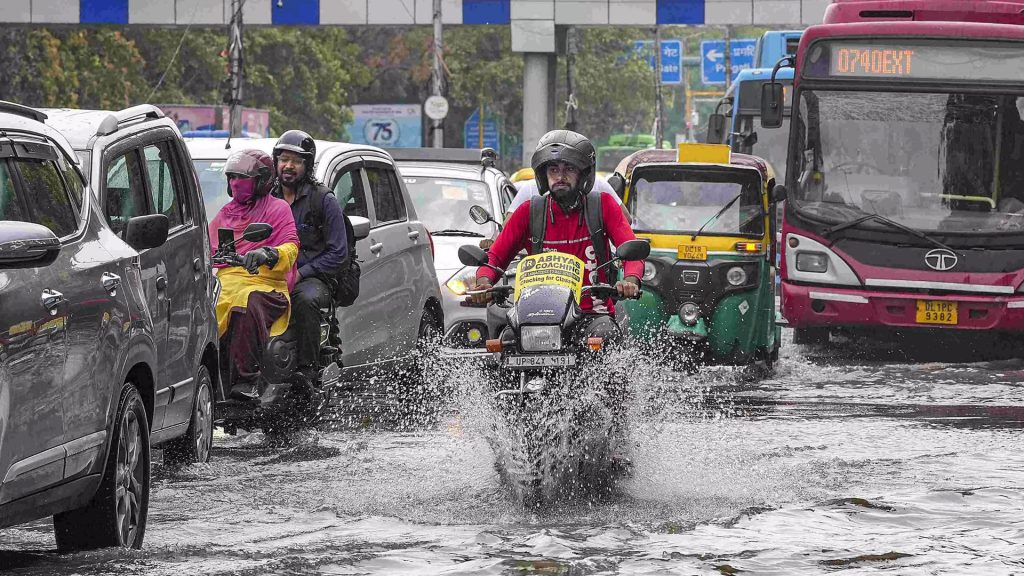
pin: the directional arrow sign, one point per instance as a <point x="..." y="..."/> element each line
<point x="671" y="58"/>
<point x="712" y="61"/>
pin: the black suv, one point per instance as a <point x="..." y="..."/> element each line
<point x="78" y="346"/>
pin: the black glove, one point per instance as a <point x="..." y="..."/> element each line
<point x="253" y="259"/>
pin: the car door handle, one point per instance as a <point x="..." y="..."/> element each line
<point x="51" y="299"/>
<point x="161" y="283"/>
<point x="197" y="264"/>
<point x="414" y="235"/>
<point x="376" y="248"/>
<point x="111" y="282"/>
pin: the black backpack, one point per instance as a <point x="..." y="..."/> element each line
<point x="595" y="224"/>
<point x="346" y="283"/>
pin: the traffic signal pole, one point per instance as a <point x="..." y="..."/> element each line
<point x="234" y="99"/>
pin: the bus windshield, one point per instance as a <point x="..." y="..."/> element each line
<point x="670" y="200"/>
<point x="945" y="162"/>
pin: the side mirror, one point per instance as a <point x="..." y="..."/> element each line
<point x="360" y="226"/>
<point x="257" y="232"/>
<point x="480" y="215"/>
<point x="471" y="255"/>
<point x="633" y="250"/>
<point x="149" y="231"/>
<point x="772" y="96"/>
<point x="716" y="129"/>
<point x="618" y="183"/>
<point x="778" y="194"/>
<point x="27" y="244"/>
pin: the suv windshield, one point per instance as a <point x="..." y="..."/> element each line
<point x="443" y="204"/>
<point x="677" y="201"/>
<point x="214" y="185"/>
<point x="944" y="162"/>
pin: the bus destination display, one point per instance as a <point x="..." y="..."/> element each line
<point x="915" y="62"/>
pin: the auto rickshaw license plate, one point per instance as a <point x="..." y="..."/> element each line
<point x="936" y="312"/>
<point x="691" y="252"/>
<point x="550" y="361"/>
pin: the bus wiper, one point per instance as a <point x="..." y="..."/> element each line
<point x="878" y="218"/>
<point x="716" y="216"/>
<point x="454" y="232"/>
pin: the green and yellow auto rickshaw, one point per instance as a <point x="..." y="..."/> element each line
<point x="709" y="283"/>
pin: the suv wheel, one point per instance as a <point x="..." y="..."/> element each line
<point x="194" y="446"/>
<point x="116" y="515"/>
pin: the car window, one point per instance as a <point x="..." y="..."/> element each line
<point x="125" y="196"/>
<point x="45" y="193"/>
<point x="348" y="187"/>
<point x="387" y="195"/>
<point x="163" y="187"/>
<point x="73" y="179"/>
<point x="10" y="206"/>
<point x="508" y="193"/>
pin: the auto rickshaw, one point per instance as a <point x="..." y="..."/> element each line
<point x="708" y="285"/>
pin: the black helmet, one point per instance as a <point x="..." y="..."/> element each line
<point x="300" y="143"/>
<point x="569" y="147"/>
<point x="251" y="163"/>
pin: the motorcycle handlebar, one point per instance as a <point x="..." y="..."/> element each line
<point x="231" y="259"/>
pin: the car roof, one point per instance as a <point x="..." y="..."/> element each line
<point x="17" y="118"/>
<point x="214" y="148"/>
<point x="441" y="170"/>
<point x="81" y="126"/>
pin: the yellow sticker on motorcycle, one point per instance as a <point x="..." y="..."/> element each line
<point x="550" y="268"/>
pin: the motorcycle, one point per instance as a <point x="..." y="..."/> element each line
<point x="289" y="400"/>
<point x="561" y="410"/>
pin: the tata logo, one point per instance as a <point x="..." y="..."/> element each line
<point x="941" y="260"/>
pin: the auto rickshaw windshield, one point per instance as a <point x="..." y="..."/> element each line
<point x="670" y="200"/>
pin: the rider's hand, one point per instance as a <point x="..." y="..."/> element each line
<point x="253" y="259"/>
<point x="628" y="287"/>
<point x="481" y="284"/>
<point x="486" y="243"/>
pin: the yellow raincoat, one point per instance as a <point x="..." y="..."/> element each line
<point x="236" y="285"/>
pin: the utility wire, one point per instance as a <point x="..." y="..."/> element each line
<point x="195" y="8"/>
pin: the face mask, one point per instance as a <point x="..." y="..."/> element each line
<point x="243" y="190"/>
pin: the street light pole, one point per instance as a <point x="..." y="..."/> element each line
<point x="570" y="79"/>
<point x="438" y="78"/>
<point x="235" y="54"/>
<point x="658" y="127"/>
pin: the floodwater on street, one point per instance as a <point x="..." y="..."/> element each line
<point x="859" y="463"/>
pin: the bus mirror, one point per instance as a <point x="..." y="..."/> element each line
<point x="771" y="104"/>
<point x="778" y="194"/>
<point x="716" y="129"/>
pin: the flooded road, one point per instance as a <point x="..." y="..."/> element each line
<point x="862" y="463"/>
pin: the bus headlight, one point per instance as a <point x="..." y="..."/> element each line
<point x="689" y="313"/>
<point x="736" y="276"/>
<point x="812" y="262"/>
<point x="541" y="338"/>
<point x="650" y="271"/>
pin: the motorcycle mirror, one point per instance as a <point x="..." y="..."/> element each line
<point x="471" y="255"/>
<point x="257" y="231"/>
<point x="480" y="215"/>
<point x="618" y="184"/>
<point x="633" y="250"/>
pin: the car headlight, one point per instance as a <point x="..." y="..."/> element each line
<point x="650" y="271"/>
<point x="461" y="281"/>
<point x="736" y="276"/>
<point x="689" y="313"/>
<point x="812" y="262"/>
<point x="541" y="338"/>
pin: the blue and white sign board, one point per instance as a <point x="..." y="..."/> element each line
<point x="671" y="58"/>
<point x="387" y="125"/>
<point x="491" y="135"/>
<point x="712" y="59"/>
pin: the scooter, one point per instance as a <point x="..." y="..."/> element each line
<point x="561" y="415"/>
<point x="289" y="400"/>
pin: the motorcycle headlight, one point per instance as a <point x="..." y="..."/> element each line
<point x="461" y="281"/>
<point x="736" y="276"/>
<point x="541" y="338"/>
<point x="689" y="313"/>
<point x="650" y="271"/>
<point x="812" y="262"/>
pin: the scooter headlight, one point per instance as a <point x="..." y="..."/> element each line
<point x="650" y="271"/>
<point x="461" y="281"/>
<point x="541" y="338"/>
<point x="689" y="313"/>
<point x="736" y="276"/>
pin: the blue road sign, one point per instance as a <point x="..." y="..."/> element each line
<point x="491" y="136"/>
<point x="712" y="59"/>
<point x="671" y="58"/>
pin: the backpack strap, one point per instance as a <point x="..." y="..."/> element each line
<point x="595" y="223"/>
<point x="538" y="223"/>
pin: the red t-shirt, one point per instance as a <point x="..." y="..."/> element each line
<point x="568" y="233"/>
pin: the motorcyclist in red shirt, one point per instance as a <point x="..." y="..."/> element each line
<point x="563" y="165"/>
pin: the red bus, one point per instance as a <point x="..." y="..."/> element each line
<point x="905" y="169"/>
